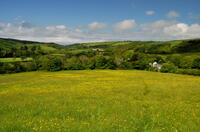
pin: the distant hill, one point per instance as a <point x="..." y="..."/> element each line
<point x="151" y="47"/>
<point x="14" y="43"/>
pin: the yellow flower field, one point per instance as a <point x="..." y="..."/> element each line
<point x="99" y="100"/>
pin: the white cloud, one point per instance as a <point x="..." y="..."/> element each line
<point x="173" y="14"/>
<point x="57" y="33"/>
<point x="158" y="30"/>
<point x="179" y="28"/>
<point x="124" y="25"/>
<point x="157" y="25"/>
<point x="96" y="25"/>
<point x="183" y="31"/>
<point x="150" y="12"/>
<point x="62" y="27"/>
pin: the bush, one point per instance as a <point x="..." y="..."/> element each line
<point x="196" y="63"/>
<point x="194" y="72"/>
<point x="126" y="65"/>
<point x="110" y="64"/>
<point x="74" y="63"/>
<point x="11" y="67"/>
<point x="158" y="59"/>
<point x="186" y="62"/>
<point x="141" y="65"/>
<point x="19" y="67"/>
<point x="175" y="59"/>
<point x="55" y="64"/>
<point x="168" y="68"/>
<point x="100" y="62"/>
<point x="29" y="66"/>
<point x="1" y="68"/>
<point x="154" y="69"/>
<point x="92" y="64"/>
<point x="74" y="66"/>
<point x="41" y="62"/>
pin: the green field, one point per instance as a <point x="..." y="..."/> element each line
<point x="15" y="59"/>
<point x="99" y="100"/>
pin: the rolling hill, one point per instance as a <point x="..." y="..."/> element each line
<point x="152" y="47"/>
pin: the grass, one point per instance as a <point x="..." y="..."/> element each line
<point x="47" y="48"/>
<point x="58" y="54"/>
<point x="15" y="59"/>
<point x="99" y="100"/>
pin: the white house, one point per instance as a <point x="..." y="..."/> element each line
<point x="155" y="64"/>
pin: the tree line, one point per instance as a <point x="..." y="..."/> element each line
<point x="102" y="60"/>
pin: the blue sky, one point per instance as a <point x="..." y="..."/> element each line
<point x="125" y="19"/>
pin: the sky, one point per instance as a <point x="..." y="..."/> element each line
<point x="81" y="21"/>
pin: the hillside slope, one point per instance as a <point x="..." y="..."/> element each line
<point x="152" y="47"/>
<point x="8" y="46"/>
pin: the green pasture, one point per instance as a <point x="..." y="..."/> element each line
<point x="99" y="101"/>
<point x="15" y="59"/>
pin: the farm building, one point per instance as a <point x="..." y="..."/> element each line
<point x="155" y="64"/>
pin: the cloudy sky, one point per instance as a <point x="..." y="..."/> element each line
<point x="80" y="21"/>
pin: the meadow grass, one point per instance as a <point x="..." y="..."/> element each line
<point x="15" y="59"/>
<point x="99" y="101"/>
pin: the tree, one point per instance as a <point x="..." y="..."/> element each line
<point x="196" y="63"/>
<point x="84" y="60"/>
<point x="110" y="64"/>
<point x="1" y="68"/>
<point x="33" y="49"/>
<point x="175" y="59"/>
<point x="141" y="64"/>
<point x="100" y="62"/>
<point x="55" y="64"/>
<point x="186" y="62"/>
<point x="73" y="63"/>
<point x="41" y="62"/>
<point x="92" y="63"/>
<point x="168" y="68"/>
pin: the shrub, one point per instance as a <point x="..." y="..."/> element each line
<point x="196" y="63"/>
<point x="168" y="68"/>
<point x="110" y="64"/>
<point x="74" y="63"/>
<point x="194" y="72"/>
<point x="92" y="64"/>
<point x="175" y="59"/>
<point x="74" y="66"/>
<point x="152" y="69"/>
<point x="158" y="59"/>
<point x="141" y="64"/>
<point x="126" y="65"/>
<point x="100" y="62"/>
<point x="55" y="64"/>
<point x="29" y="66"/>
<point x="10" y="68"/>
<point x="186" y="62"/>
<point x="18" y="67"/>
<point x="41" y="62"/>
<point x="1" y="68"/>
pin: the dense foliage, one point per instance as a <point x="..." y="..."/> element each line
<point x="175" y="56"/>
